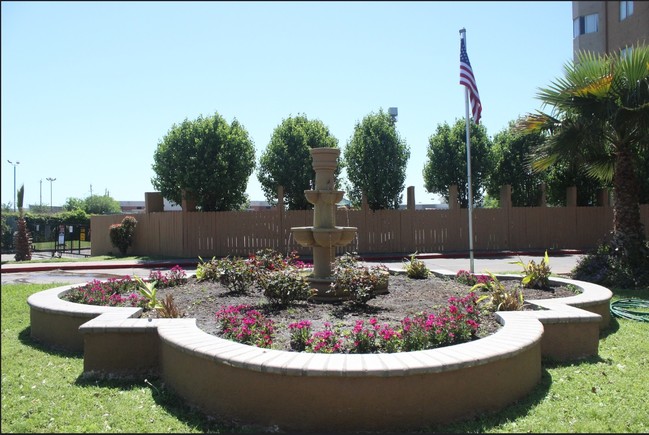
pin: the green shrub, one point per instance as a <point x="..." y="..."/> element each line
<point x="236" y="274"/>
<point x="121" y="235"/>
<point x="536" y="275"/>
<point x="500" y="299"/>
<point x="284" y="286"/>
<point x="416" y="268"/>
<point x="608" y="265"/>
<point x="358" y="282"/>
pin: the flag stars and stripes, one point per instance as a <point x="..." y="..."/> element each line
<point x="467" y="79"/>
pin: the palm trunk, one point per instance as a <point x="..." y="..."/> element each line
<point x="627" y="227"/>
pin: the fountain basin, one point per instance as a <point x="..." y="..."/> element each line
<point x="324" y="237"/>
<point x="327" y="197"/>
<point x="304" y="236"/>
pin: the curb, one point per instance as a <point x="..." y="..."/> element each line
<point x="187" y="263"/>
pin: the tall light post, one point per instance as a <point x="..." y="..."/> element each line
<point x="50" y="180"/>
<point x="14" y="165"/>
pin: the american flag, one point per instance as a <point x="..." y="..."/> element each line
<point x="467" y="79"/>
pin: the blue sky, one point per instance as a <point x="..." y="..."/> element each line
<point x="90" y="88"/>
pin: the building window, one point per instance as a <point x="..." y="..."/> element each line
<point x="585" y="24"/>
<point x="626" y="51"/>
<point x="626" y="9"/>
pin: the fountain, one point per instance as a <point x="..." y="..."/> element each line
<point x="324" y="235"/>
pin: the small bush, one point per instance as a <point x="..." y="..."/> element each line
<point x="284" y="286"/>
<point x="168" y="308"/>
<point x="246" y="325"/>
<point x="467" y="278"/>
<point x="121" y="235"/>
<point x="357" y="281"/>
<point x="501" y="299"/>
<point x="536" y="275"/>
<point x="608" y="265"/>
<point x="174" y="277"/>
<point x="300" y="335"/>
<point x="115" y="292"/>
<point x="416" y="268"/>
<point x="236" y="274"/>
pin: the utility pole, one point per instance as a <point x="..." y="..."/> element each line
<point x="41" y="194"/>
<point x="50" y="180"/>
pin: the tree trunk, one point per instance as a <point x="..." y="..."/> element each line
<point x="627" y="228"/>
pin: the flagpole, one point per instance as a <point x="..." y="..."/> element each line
<point x="468" y="167"/>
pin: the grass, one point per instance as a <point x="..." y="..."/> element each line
<point x="69" y="244"/>
<point x="44" y="390"/>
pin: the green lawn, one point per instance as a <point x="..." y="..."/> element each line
<point x="43" y="390"/>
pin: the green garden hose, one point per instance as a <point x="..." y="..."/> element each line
<point x="629" y="309"/>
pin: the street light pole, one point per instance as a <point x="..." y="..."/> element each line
<point x="50" y="180"/>
<point x="14" y="164"/>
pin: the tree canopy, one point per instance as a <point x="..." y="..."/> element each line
<point x="207" y="158"/>
<point x="376" y="158"/>
<point x="510" y="154"/>
<point x="287" y="160"/>
<point x="446" y="161"/>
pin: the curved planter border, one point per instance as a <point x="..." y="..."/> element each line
<point x="340" y="392"/>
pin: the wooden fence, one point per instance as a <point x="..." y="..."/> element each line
<point x="206" y="234"/>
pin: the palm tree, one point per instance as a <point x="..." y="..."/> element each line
<point x="22" y="239"/>
<point x="600" y="119"/>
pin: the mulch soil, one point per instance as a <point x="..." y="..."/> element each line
<point x="405" y="297"/>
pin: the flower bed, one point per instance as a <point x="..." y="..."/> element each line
<point x="312" y="391"/>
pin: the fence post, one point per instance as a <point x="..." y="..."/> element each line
<point x="543" y="199"/>
<point x="506" y="196"/>
<point x="571" y="196"/>
<point x="364" y="204"/>
<point x="603" y="198"/>
<point x="411" y="198"/>
<point x="280" y="210"/>
<point x="453" y="202"/>
<point x="188" y="202"/>
<point x="153" y="202"/>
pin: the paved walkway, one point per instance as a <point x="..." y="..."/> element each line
<point x="85" y="271"/>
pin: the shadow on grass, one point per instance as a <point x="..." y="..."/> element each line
<point x="487" y="421"/>
<point x="166" y="399"/>
<point x="26" y="339"/>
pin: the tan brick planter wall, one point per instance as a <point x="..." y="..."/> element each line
<point x="304" y="391"/>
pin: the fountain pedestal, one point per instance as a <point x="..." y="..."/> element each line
<point x="324" y="235"/>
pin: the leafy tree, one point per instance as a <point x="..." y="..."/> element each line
<point x="510" y="153"/>
<point x="287" y="161"/>
<point x="74" y="204"/>
<point x="101" y="204"/>
<point x="565" y="174"/>
<point x="7" y="233"/>
<point x="22" y="241"/>
<point x="209" y="158"/>
<point x="376" y="158"/>
<point x="446" y="161"/>
<point x="600" y="119"/>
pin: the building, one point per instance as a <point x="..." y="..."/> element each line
<point x="608" y="26"/>
<point x="132" y="207"/>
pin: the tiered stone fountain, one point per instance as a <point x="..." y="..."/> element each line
<point x="324" y="235"/>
